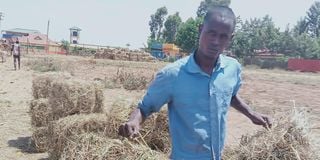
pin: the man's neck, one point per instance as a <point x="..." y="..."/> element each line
<point x="206" y="64"/>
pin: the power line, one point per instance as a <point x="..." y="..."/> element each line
<point x="1" y="15"/>
<point x="48" y="36"/>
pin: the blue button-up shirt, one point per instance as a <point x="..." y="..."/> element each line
<point x="197" y="105"/>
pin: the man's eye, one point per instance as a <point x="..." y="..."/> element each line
<point x="212" y="33"/>
<point x="223" y="36"/>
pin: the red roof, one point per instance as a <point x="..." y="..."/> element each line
<point x="37" y="39"/>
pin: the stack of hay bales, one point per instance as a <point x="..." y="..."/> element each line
<point x="124" y="54"/>
<point x="290" y="138"/>
<point x="99" y="137"/>
<point x="105" y="54"/>
<point x="57" y="96"/>
<point x="67" y="116"/>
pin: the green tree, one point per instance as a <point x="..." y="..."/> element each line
<point x="301" y="26"/>
<point x="188" y="33"/>
<point x="204" y="5"/>
<point x="287" y="42"/>
<point x="313" y="19"/>
<point x="65" y="45"/>
<point x="241" y="44"/>
<point x="156" y="23"/>
<point x="153" y="27"/>
<point x="307" y="47"/>
<point x="171" y="26"/>
<point x="254" y="35"/>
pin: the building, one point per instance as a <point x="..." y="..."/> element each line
<point x="74" y="35"/>
<point x="32" y="41"/>
<point x="18" y="32"/>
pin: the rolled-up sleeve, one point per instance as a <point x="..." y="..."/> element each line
<point x="158" y="94"/>
<point x="239" y="80"/>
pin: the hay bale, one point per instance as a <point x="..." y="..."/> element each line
<point x="42" y="83"/>
<point x="40" y="87"/>
<point x="71" y="97"/>
<point x="158" y="138"/>
<point x="67" y="127"/>
<point x="93" y="146"/>
<point x="40" y="139"/>
<point x="154" y="131"/>
<point x="117" y="115"/>
<point x="40" y="112"/>
<point x="290" y="138"/>
<point x="98" y="107"/>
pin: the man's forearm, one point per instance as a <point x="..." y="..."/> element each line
<point x="241" y="106"/>
<point x="255" y="117"/>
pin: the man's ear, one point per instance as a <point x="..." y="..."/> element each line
<point x="232" y="36"/>
<point x="200" y="28"/>
<point x="230" y="41"/>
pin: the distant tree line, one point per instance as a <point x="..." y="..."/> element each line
<point x="302" y="40"/>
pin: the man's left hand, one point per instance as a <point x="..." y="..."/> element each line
<point x="260" y="119"/>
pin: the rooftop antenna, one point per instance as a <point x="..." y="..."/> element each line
<point x="48" y="36"/>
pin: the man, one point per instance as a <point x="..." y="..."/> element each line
<point x="15" y="50"/>
<point x="3" y="52"/>
<point x="198" y="89"/>
<point x="3" y="56"/>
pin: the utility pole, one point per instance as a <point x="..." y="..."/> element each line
<point x="1" y="18"/>
<point x="48" y="36"/>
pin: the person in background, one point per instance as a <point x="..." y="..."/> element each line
<point x="15" y="51"/>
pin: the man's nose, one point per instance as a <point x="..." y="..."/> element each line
<point x="215" y="41"/>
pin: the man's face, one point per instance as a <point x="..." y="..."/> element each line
<point x="215" y="36"/>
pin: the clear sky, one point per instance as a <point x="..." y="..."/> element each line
<point x="118" y="22"/>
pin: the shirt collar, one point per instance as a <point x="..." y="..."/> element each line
<point x="193" y="67"/>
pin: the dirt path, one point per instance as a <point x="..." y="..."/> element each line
<point x="15" y="128"/>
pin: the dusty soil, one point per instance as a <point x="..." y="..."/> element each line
<point x="267" y="91"/>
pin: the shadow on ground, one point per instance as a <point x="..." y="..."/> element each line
<point x="23" y="143"/>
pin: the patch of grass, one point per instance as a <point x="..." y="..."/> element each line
<point x="131" y="80"/>
<point x="281" y="76"/>
<point x="49" y="64"/>
<point x="108" y="83"/>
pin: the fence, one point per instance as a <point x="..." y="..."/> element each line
<point x="305" y="65"/>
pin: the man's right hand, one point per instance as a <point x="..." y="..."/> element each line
<point x="132" y="127"/>
<point x="129" y="129"/>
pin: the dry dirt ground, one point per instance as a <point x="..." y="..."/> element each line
<point x="267" y="91"/>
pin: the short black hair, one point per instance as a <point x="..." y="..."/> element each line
<point x="225" y="11"/>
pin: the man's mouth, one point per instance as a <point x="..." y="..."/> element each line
<point x="212" y="50"/>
